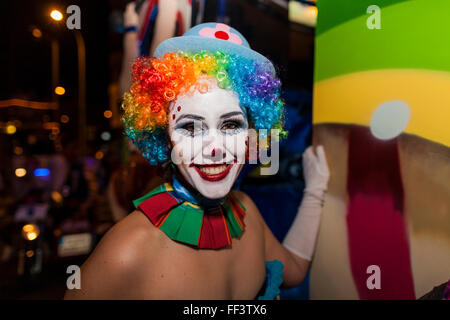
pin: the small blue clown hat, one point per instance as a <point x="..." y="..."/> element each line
<point x="213" y="36"/>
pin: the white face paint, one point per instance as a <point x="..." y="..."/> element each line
<point x="208" y="133"/>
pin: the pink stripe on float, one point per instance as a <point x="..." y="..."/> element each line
<point x="377" y="233"/>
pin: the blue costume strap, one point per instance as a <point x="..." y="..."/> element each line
<point x="182" y="192"/>
<point x="274" y="272"/>
<point x="196" y="199"/>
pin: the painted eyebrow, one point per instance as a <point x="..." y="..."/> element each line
<point x="190" y="116"/>
<point x="230" y="114"/>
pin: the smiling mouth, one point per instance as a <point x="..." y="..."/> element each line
<point x="212" y="172"/>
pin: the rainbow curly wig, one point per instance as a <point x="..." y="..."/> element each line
<point x="157" y="82"/>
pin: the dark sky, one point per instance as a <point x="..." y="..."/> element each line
<point x="26" y="61"/>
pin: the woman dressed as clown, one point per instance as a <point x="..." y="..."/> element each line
<point x="190" y="109"/>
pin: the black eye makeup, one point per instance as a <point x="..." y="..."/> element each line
<point x="191" y="128"/>
<point x="191" y="125"/>
<point x="233" y="125"/>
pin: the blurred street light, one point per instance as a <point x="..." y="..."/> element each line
<point x="65" y="118"/>
<point x="11" y="129"/>
<point x="30" y="231"/>
<point x="106" y="136"/>
<point x="20" y="172"/>
<point x="18" y="150"/>
<point x="56" y="197"/>
<point x="99" y="155"/>
<point x="60" y="90"/>
<point x="41" y="172"/>
<point x="56" y="15"/>
<point x="107" y="114"/>
<point x="37" y="33"/>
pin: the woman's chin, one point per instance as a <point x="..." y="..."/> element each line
<point x="212" y="194"/>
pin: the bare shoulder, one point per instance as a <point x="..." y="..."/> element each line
<point x="252" y="210"/>
<point x="117" y="259"/>
<point x="243" y="198"/>
<point x="125" y="240"/>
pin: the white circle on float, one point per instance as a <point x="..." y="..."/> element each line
<point x="390" y="119"/>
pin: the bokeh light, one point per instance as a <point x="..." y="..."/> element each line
<point x="37" y="33"/>
<point x="10" y="129"/>
<point x="65" y="118"/>
<point x="30" y="231"/>
<point x="20" y="172"/>
<point x="106" y="136"/>
<point x="56" y="15"/>
<point x="99" y="155"/>
<point x="107" y="114"/>
<point x="60" y="90"/>
<point x="41" y="172"/>
<point x="18" y="150"/>
<point x="57" y="197"/>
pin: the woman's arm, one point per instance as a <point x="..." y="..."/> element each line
<point x="298" y="246"/>
<point x="302" y="235"/>
<point x="295" y="268"/>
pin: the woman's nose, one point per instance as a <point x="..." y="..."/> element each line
<point x="217" y="154"/>
<point x="213" y="147"/>
<point x="214" y="153"/>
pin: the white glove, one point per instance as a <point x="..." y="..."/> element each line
<point x="316" y="172"/>
<point x="130" y="17"/>
<point x="301" y="238"/>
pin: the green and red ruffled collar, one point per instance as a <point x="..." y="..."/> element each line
<point x="187" y="222"/>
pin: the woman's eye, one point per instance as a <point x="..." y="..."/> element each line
<point x="231" y="126"/>
<point x="192" y="128"/>
<point x="189" y="127"/>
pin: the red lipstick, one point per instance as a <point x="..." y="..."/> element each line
<point x="212" y="177"/>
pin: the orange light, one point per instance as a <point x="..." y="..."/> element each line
<point x="56" y="15"/>
<point x="107" y="114"/>
<point x="65" y="118"/>
<point x="36" y="33"/>
<point x="18" y="150"/>
<point x="56" y="196"/>
<point x="60" y="91"/>
<point x="99" y="155"/>
<point x="30" y="231"/>
<point x="11" y="129"/>
<point x="20" y="172"/>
